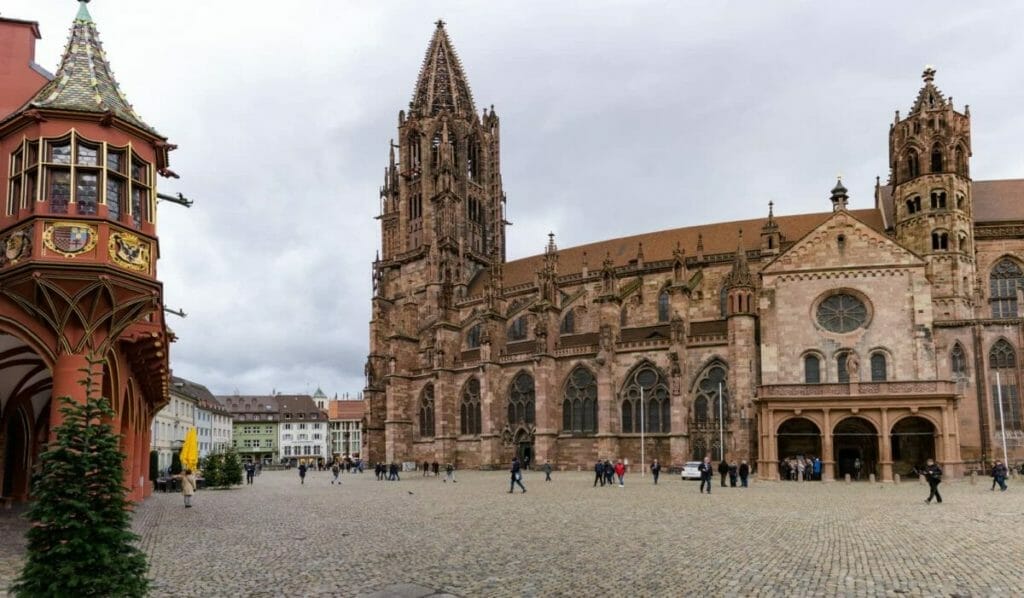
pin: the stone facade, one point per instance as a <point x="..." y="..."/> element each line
<point x="867" y="337"/>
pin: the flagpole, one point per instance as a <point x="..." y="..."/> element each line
<point x="643" y="462"/>
<point x="721" y="428"/>
<point x="1002" y="426"/>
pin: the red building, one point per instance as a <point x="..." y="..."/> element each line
<point x="78" y="250"/>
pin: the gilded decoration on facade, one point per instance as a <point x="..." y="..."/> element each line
<point x="69" y="238"/>
<point x="17" y="245"/>
<point x="128" y="251"/>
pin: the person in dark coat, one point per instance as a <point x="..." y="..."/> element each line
<point x="598" y="473"/>
<point x="655" y="471"/>
<point x="744" y="473"/>
<point x="426" y="468"/>
<point x="999" y="473"/>
<point x="723" y="470"/>
<point x="734" y="471"/>
<point x="547" y="470"/>
<point x="436" y="467"/>
<point x="517" y="476"/>
<point x="707" y="471"/>
<point x="302" y="473"/>
<point x="609" y="473"/>
<point x="933" y="475"/>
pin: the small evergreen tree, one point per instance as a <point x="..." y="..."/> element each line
<point x="175" y="463"/>
<point x="231" y="470"/>
<point x="80" y="543"/>
<point x="212" y="474"/>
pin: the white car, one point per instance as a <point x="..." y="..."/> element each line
<point x="691" y="471"/>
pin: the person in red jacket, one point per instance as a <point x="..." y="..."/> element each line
<point x="620" y="470"/>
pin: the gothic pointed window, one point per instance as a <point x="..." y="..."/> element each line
<point x="427" y="411"/>
<point x="936" y="158"/>
<point x="913" y="168"/>
<point x="723" y="301"/>
<point x="435" y="151"/>
<point x="961" y="161"/>
<point x="958" y="361"/>
<point x="473" y="337"/>
<point x="663" y="306"/>
<point x="521" y="400"/>
<point x="579" y="405"/>
<point x="711" y="403"/>
<point x="517" y="331"/>
<point x="1004" y="281"/>
<point x="414" y="155"/>
<point x="878" y="367"/>
<point x="812" y="369"/>
<point x="469" y="409"/>
<point x="646" y="405"/>
<point x="568" y="323"/>
<point x="1003" y="384"/>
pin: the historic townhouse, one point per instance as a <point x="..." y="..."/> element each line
<point x="304" y="434"/>
<point x="873" y="334"/>
<point x="255" y="427"/>
<point x="346" y="425"/>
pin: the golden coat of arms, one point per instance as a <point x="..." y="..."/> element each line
<point x="129" y="251"/>
<point x="69" y="238"/>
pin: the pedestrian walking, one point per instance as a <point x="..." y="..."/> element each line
<point x="188" y="486"/>
<point x="620" y="471"/>
<point x="599" y="473"/>
<point x="436" y="467"/>
<point x="335" y="470"/>
<point x="734" y="471"/>
<point x="609" y="473"/>
<point x="744" y="473"/>
<point x="707" y="471"/>
<point x="517" y="476"/>
<point x="426" y="468"/>
<point x="393" y="472"/>
<point x="655" y="471"/>
<point x="302" y="473"/>
<point x="816" y="467"/>
<point x="857" y="465"/>
<point x="250" y="473"/>
<point x="449" y="473"/>
<point x="547" y="470"/>
<point x="933" y="475"/>
<point x="723" y="470"/>
<point x="999" y="473"/>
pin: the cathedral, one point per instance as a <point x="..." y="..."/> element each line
<point x="871" y="338"/>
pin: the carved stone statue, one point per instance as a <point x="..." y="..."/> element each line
<point x="676" y="373"/>
<point x="853" y="367"/>
<point x="368" y="373"/>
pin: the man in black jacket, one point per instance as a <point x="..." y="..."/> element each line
<point x="933" y="475"/>
<point x="999" y="473"/>
<point x="723" y="470"/>
<point x="655" y="471"/>
<point x="707" y="471"/>
<point x="744" y="473"/>
<point x="598" y="473"/>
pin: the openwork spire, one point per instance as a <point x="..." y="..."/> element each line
<point x="84" y="81"/>
<point x="740" y="275"/>
<point x="929" y="98"/>
<point x="442" y="84"/>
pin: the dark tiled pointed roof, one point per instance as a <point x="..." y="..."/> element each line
<point x="84" y="81"/>
<point x="442" y="84"/>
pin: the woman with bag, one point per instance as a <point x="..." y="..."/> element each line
<point x="517" y="476"/>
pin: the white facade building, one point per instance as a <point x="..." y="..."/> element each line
<point x="303" y="431"/>
<point x="172" y="422"/>
<point x="346" y="425"/>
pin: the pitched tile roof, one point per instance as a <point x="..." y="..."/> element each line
<point x="717" y="238"/>
<point x="994" y="201"/>
<point x="84" y="81"/>
<point x="346" y="410"/>
<point x="190" y="389"/>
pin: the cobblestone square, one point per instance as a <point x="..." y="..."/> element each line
<point x="422" y="536"/>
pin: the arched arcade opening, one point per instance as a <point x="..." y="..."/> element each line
<point x="913" y="442"/>
<point x="855" y="446"/>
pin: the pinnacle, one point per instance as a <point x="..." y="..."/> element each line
<point x="442" y="84"/>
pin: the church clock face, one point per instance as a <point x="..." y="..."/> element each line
<point x="842" y="313"/>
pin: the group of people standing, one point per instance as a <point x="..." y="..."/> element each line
<point x="805" y="469"/>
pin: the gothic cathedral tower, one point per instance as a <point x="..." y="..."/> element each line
<point x="929" y="154"/>
<point x="442" y="222"/>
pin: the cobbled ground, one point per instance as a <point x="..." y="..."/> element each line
<point x="423" y="537"/>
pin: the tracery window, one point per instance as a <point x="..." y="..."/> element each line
<point x="663" y="306"/>
<point x="1004" y="281"/>
<point x="473" y="337"/>
<point x="473" y="159"/>
<point x="646" y="385"/>
<point x="517" y="331"/>
<point x="1003" y="380"/>
<point x="712" y="396"/>
<point x="427" y="411"/>
<point x="812" y="369"/>
<point x="878" y="367"/>
<point x="936" y="159"/>
<point x="568" y="323"/>
<point x="958" y="361"/>
<point x="579" y="406"/>
<point x="961" y="161"/>
<point x="414" y="154"/>
<point x="913" y="168"/>
<point x="521" y="400"/>
<point x="469" y="408"/>
<point x="842" y="313"/>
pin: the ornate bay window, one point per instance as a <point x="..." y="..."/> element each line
<point x="76" y="175"/>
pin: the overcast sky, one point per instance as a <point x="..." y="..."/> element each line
<point x="687" y="113"/>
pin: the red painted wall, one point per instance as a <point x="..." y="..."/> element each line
<point x="18" y="80"/>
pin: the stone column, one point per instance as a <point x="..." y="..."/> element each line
<point x="885" y="447"/>
<point x="547" y="420"/>
<point x="828" y="462"/>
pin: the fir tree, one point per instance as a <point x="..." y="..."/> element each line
<point x="212" y="474"/>
<point x="231" y="470"/>
<point x="80" y="543"/>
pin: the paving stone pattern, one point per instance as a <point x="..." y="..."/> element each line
<point x="421" y="537"/>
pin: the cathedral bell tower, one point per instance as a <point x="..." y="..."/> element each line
<point x="929" y="154"/>
<point x="442" y="204"/>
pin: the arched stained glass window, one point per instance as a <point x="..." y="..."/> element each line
<point x="427" y="411"/>
<point x="568" y="323"/>
<point x="1002" y="363"/>
<point x="521" y="400"/>
<point x="712" y="396"/>
<point x="1003" y="284"/>
<point x="579" y="407"/>
<point x="663" y="306"/>
<point x="473" y="337"/>
<point x="647" y="384"/>
<point x="517" y="331"/>
<point x="469" y="408"/>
